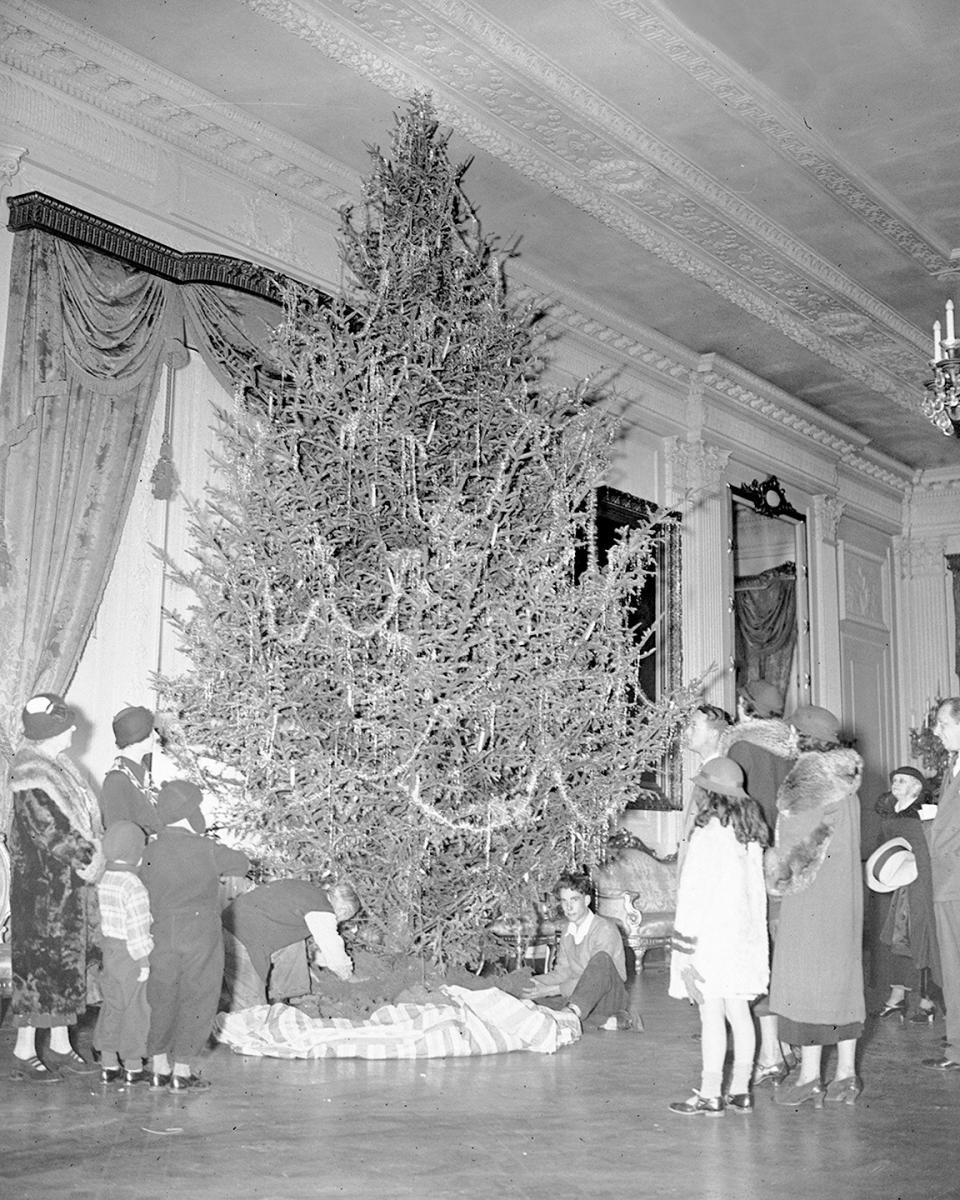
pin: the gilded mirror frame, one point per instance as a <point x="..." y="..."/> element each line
<point x="661" y="596"/>
<point x="767" y="499"/>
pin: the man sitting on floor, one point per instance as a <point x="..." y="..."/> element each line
<point x="265" y="933"/>
<point x="590" y="975"/>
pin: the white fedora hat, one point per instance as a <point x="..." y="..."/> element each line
<point x="891" y="866"/>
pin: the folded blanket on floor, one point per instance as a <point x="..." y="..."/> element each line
<point x="468" y="1022"/>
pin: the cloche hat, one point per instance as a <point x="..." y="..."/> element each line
<point x="722" y="775"/>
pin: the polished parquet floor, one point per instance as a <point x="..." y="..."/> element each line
<point x="588" y="1122"/>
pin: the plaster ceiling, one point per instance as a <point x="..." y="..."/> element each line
<point x="772" y="182"/>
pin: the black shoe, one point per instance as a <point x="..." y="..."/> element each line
<point x="698" y="1106"/>
<point x="138" y="1076"/>
<point x="32" y="1070"/>
<point x="898" y="1010"/>
<point x="940" y="1064"/>
<point x="70" y="1062"/>
<point x="109" y="1074"/>
<point x="741" y="1102"/>
<point x="923" y="1016"/>
<point x="159" y="1081"/>
<point x="192" y="1083"/>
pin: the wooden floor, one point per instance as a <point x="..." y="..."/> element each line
<point x="588" y="1122"/>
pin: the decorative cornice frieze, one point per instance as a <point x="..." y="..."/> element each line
<point x="67" y="57"/>
<point x="544" y="122"/>
<point x="778" y="127"/>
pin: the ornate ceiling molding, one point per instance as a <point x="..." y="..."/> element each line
<point x="777" y="126"/>
<point x="520" y="107"/>
<point x="68" y="58"/>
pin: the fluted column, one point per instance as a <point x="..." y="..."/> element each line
<point x="696" y="484"/>
<point x="925" y="635"/>
<point x="826" y="684"/>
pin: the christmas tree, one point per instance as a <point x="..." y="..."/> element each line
<point x="402" y="643"/>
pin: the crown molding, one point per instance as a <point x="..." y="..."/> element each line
<point x="779" y="127"/>
<point x="678" y="370"/>
<point x="74" y="62"/>
<point x="519" y="106"/>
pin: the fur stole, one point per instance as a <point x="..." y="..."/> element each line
<point x="60" y="780"/>
<point x="772" y="734"/>
<point x="807" y="803"/>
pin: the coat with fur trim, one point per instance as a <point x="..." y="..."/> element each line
<point x="814" y="865"/>
<point x="765" y="750"/>
<point x="54" y="854"/>
<point x="807" y="804"/>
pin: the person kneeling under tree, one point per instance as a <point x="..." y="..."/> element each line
<point x="265" y="931"/>
<point x="590" y="975"/>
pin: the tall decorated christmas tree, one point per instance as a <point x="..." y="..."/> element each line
<point x="402" y="645"/>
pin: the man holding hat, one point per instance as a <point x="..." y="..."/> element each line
<point x="181" y="871"/>
<point x="126" y="794"/>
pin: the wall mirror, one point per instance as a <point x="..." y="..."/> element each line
<point x="657" y="606"/>
<point x="769" y="604"/>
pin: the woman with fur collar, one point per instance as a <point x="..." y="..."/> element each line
<point x="54" y="853"/>
<point x="814" y="867"/>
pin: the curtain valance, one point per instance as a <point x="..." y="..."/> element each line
<point x="95" y="313"/>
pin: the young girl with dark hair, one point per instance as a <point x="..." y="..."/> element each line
<point x="720" y="955"/>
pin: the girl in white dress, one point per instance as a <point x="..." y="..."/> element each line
<point x="720" y="957"/>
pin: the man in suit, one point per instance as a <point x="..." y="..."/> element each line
<point x="945" y="863"/>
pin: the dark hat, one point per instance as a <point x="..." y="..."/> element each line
<point x="178" y="799"/>
<point x="815" y="722"/>
<point x="45" y="715"/>
<point x="722" y="775"/>
<point x="766" y="699"/>
<point x="913" y="773"/>
<point x="123" y="843"/>
<point x="132" y="725"/>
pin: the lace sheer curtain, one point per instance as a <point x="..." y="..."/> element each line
<point x="87" y="337"/>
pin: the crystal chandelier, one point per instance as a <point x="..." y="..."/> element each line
<point x="941" y="405"/>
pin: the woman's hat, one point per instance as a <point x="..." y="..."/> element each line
<point x="815" y="722"/>
<point x="722" y="775"/>
<point x="46" y="715"/>
<point x="131" y="725"/>
<point x="891" y="866"/>
<point x="913" y="774"/>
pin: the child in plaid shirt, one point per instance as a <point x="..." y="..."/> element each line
<point x="124" y="1021"/>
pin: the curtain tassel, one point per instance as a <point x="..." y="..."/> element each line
<point x="164" y="480"/>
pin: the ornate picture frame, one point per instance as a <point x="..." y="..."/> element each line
<point x="660" y="603"/>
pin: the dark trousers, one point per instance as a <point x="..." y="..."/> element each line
<point x="599" y="994"/>
<point x="186" y="971"/>
<point x="124" y="1016"/>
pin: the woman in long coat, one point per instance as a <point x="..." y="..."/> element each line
<point x="54" y="855"/>
<point x="816" y="985"/>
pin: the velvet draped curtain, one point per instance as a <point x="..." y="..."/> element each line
<point x="87" y="338"/>
<point x="765" y="609"/>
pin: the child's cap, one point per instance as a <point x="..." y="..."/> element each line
<point x="123" y="843"/>
<point x="177" y="799"/>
